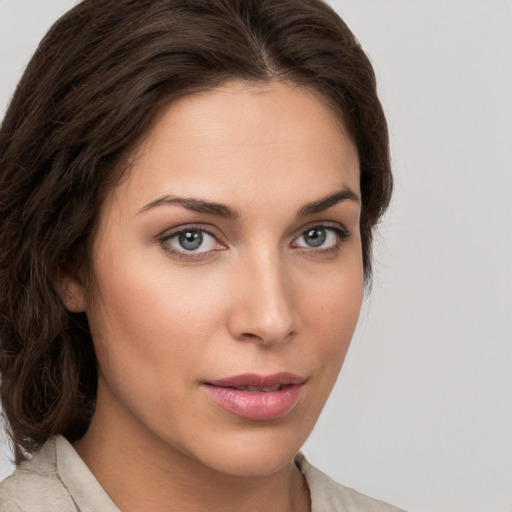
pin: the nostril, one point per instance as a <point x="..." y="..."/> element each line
<point x="267" y="338"/>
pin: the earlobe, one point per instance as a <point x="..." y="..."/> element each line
<point x="71" y="291"/>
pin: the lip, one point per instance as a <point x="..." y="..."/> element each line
<point x="259" y="401"/>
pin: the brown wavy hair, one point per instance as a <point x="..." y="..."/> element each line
<point x="90" y="92"/>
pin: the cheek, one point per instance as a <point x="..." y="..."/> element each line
<point x="151" y="315"/>
<point x="147" y="337"/>
<point x="332" y="314"/>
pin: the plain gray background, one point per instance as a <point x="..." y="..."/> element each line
<point x="422" y="414"/>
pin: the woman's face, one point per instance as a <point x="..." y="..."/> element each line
<point x="228" y="278"/>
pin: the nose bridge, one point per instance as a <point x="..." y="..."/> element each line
<point x="265" y="310"/>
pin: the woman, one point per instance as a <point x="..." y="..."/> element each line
<point x="188" y="192"/>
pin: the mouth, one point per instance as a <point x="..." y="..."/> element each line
<point x="256" y="397"/>
<point x="264" y="389"/>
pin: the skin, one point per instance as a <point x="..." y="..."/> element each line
<point x="256" y="298"/>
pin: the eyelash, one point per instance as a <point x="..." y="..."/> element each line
<point x="341" y="233"/>
<point x="184" y="255"/>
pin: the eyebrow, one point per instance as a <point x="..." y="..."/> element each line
<point x="226" y="212"/>
<point x="196" y="205"/>
<point x="345" y="194"/>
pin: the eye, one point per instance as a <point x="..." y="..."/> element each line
<point x="190" y="241"/>
<point x="321" y="237"/>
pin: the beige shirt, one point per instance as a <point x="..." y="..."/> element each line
<point x="57" y="480"/>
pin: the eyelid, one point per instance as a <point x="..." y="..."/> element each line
<point x="168" y="234"/>
<point x="340" y="232"/>
<point x="339" y="229"/>
<point x="206" y="228"/>
<point x="326" y="224"/>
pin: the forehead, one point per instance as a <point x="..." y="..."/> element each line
<point x="239" y="140"/>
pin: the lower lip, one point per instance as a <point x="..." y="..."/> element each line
<point x="255" y="405"/>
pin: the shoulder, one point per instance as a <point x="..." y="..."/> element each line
<point x="35" y="486"/>
<point x="330" y="496"/>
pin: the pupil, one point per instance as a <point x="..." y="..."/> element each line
<point x="315" y="237"/>
<point x="191" y="240"/>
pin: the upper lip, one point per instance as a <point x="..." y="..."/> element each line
<point x="258" y="381"/>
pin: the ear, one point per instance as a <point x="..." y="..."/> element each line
<point x="70" y="288"/>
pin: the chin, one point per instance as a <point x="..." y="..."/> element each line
<point x="260" y="450"/>
<point x="255" y="462"/>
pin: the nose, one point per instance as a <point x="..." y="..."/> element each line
<point x="263" y="303"/>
